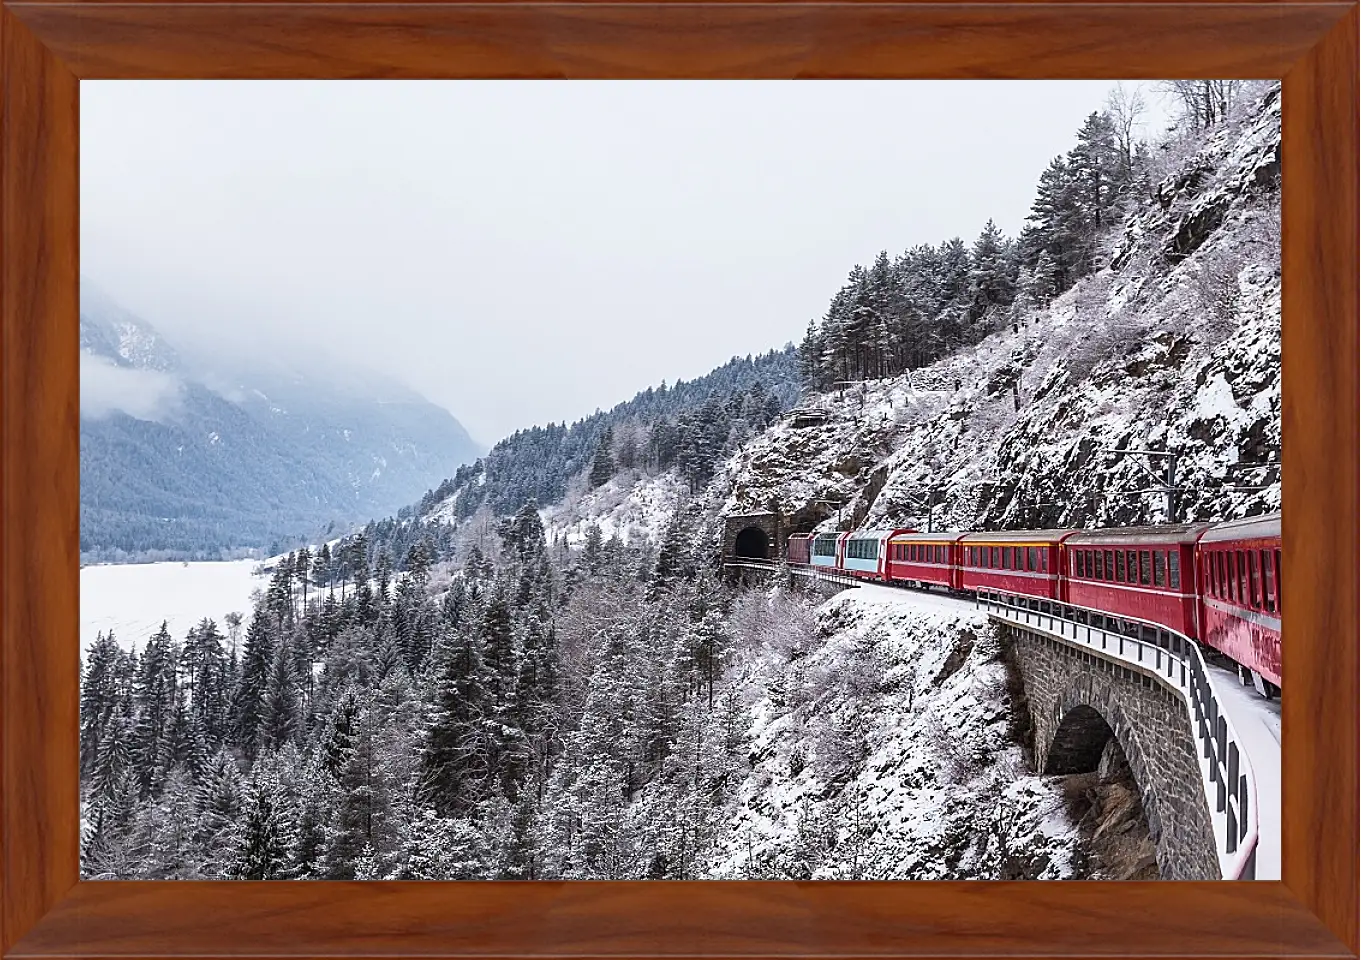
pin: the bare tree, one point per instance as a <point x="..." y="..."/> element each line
<point x="1126" y="108"/>
<point x="1204" y="102"/>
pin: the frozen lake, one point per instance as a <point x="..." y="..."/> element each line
<point x="133" y="598"/>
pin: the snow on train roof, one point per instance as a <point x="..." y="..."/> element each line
<point x="872" y="534"/>
<point x="1017" y="536"/>
<point x="1162" y="533"/>
<point x="1247" y="529"/>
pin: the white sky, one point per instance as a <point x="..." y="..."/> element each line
<point x="524" y="251"/>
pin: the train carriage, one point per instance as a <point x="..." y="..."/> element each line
<point x="826" y="550"/>
<point x="1239" y="568"/>
<point x="864" y="553"/>
<point x="929" y="559"/>
<point x="1143" y="572"/>
<point x="800" y="551"/>
<point x="1024" y="562"/>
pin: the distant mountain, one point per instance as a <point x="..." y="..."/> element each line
<point x="194" y="456"/>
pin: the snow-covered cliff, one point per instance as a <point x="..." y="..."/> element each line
<point x="1173" y="346"/>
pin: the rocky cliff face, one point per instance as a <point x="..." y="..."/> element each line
<point x="1174" y="346"/>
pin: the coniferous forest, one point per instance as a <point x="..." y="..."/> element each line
<point x="352" y="727"/>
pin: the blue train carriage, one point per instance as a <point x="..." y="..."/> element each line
<point x="826" y="550"/>
<point x="865" y="553"/>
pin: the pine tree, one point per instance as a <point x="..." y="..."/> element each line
<point x="99" y="698"/>
<point x="248" y="705"/>
<point x="154" y="701"/>
<point x="279" y="723"/>
<point x="265" y="843"/>
<point x="602" y="468"/>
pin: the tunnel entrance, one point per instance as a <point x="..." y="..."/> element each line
<point x="753" y="544"/>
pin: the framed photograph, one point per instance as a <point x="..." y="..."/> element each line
<point x="1031" y="557"/>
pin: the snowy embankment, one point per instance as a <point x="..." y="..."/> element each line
<point x="631" y="505"/>
<point x="884" y="746"/>
<point x="132" y="599"/>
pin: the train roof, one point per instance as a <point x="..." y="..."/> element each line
<point x="917" y="536"/>
<point x="1250" y="528"/>
<point x="874" y="534"/>
<point x="1162" y="533"/>
<point x="806" y="536"/>
<point x="1017" y="536"/>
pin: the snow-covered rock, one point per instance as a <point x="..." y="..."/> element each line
<point x="886" y="746"/>
<point x="1174" y="346"/>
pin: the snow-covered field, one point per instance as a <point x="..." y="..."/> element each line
<point x="132" y="599"/>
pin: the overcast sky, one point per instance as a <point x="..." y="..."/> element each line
<point x="523" y="251"/>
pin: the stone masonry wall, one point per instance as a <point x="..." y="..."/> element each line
<point x="1064" y="685"/>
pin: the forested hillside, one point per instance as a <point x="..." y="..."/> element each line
<point x="688" y="425"/>
<point x="186" y="456"/>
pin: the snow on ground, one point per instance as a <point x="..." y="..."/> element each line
<point x="631" y="505"/>
<point x="1257" y="722"/>
<point x="883" y="747"/>
<point x="132" y="599"/>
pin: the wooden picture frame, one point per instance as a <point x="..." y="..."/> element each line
<point x="46" y="48"/>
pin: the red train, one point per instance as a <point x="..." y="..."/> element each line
<point x="1218" y="583"/>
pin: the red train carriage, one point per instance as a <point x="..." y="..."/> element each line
<point x="924" y="558"/>
<point x="1143" y="572"/>
<point x="1239" y="566"/>
<point x="1018" y="561"/>
<point x="800" y="549"/>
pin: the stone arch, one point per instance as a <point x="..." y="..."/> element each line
<point x="1078" y="742"/>
<point x="752" y="544"/>
<point x="1087" y="717"/>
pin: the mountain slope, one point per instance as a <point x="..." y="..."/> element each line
<point x="185" y="455"/>
<point x="1173" y="346"/>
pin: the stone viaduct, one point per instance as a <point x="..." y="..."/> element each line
<point x="1079" y="700"/>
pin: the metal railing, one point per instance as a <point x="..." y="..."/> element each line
<point x="1171" y="658"/>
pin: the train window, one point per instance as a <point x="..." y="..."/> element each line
<point x="1145" y="567"/>
<point x="1268" y="583"/>
<point x="1090" y="563"/>
<point x="1018" y="558"/>
<point x="973" y="556"/>
<point x="996" y="560"/>
<point x="1243" y="578"/>
<point x="940" y="554"/>
<point x="1132" y="566"/>
<point x="1221" y="578"/>
<point x="1159" y="569"/>
<point x="1254" y="579"/>
<point x="1120" y="566"/>
<point x="1280" y="587"/>
<point x="1105" y="565"/>
<point x="1174" y="570"/>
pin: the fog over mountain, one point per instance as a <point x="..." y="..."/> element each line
<point x="521" y="253"/>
